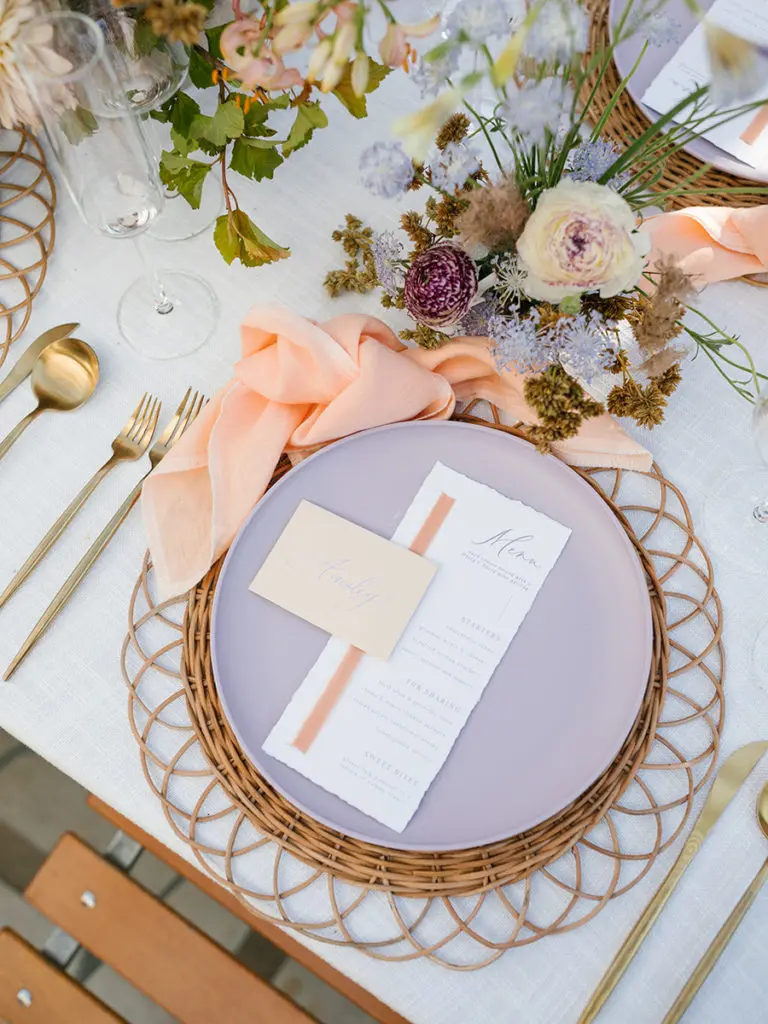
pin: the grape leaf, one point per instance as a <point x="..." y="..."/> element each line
<point x="309" y="116"/>
<point x="183" y="113"/>
<point x="200" y="71"/>
<point x="238" y="238"/>
<point x="227" y="123"/>
<point x="258" y="113"/>
<point x="78" y="124"/>
<point x="184" y="175"/>
<point x="357" y="105"/>
<point x="254" y="160"/>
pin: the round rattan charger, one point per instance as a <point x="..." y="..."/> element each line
<point x="27" y="229"/>
<point x="230" y="816"/>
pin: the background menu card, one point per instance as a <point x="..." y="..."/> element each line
<point x="381" y="731"/>
<point x="345" y="579"/>
<point x="745" y="136"/>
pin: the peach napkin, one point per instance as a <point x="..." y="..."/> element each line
<point x="713" y="242"/>
<point x="300" y="384"/>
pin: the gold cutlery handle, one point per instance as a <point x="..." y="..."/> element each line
<point x="704" y="966"/>
<point x="634" y="940"/>
<point x="76" y="577"/>
<point x="10" y="439"/>
<point x="56" y="531"/>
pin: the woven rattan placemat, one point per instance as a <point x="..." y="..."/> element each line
<point x="598" y="847"/>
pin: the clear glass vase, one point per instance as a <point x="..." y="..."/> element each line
<point x="105" y="162"/>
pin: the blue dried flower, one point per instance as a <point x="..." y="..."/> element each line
<point x="387" y="256"/>
<point x="451" y="168"/>
<point x="585" y="345"/>
<point x="386" y="169"/>
<point x="517" y="342"/>
<point x="560" y="31"/>
<point x="474" y="21"/>
<point x="590" y="161"/>
<point x="431" y="76"/>
<point x="538" y="107"/>
<point x="476" y="323"/>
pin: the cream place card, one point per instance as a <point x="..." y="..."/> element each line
<point x="745" y="136"/>
<point x="350" y="582"/>
<point x="376" y="734"/>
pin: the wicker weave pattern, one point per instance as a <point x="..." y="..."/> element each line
<point x="551" y="879"/>
<point x="27" y="200"/>
<point x="627" y="121"/>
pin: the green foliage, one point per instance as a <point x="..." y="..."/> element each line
<point x="255" y="158"/>
<point x="227" y="123"/>
<point x="185" y="176"/>
<point x="357" y="105"/>
<point x="213" y="35"/>
<point x="78" y="124"/>
<point x="309" y="116"/>
<point x="238" y="238"/>
<point x="200" y="71"/>
<point x="144" y="39"/>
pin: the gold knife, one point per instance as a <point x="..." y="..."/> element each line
<point x="734" y="771"/>
<point x="23" y="367"/>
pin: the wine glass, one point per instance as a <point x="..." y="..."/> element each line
<point x="151" y="70"/>
<point x="736" y="508"/>
<point x="106" y="165"/>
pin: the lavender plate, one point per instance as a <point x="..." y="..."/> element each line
<point x="566" y="693"/>
<point x="652" y="63"/>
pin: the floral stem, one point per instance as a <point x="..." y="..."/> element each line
<point x="481" y="121"/>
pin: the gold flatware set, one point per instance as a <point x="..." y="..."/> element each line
<point x="64" y="374"/>
<point x="731" y="776"/>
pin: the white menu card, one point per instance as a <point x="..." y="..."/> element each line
<point x="377" y="733"/>
<point x="745" y="137"/>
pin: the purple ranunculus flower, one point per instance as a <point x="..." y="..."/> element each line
<point x="440" y="285"/>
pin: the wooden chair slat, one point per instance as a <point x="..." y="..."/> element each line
<point x="278" y="936"/>
<point x="170" y="961"/>
<point x="55" y="998"/>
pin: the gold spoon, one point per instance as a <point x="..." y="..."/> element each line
<point x="723" y="937"/>
<point x="63" y="378"/>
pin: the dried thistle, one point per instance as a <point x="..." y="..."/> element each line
<point x="424" y="336"/>
<point x="447" y="212"/>
<point x="359" y="272"/>
<point x="669" y="380"/>
<point x="494" y="217"/>
<point x="454" y="130"/>
<point x="178" y="22"/>
<point x="561" y="405"/>
<point x="413" y="225"/>
<point x="645" y="405"/>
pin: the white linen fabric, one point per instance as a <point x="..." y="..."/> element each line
<point x="67" y="701"/>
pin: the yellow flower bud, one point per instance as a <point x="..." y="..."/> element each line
<point x="298" y="13"/>
<point x="333" y="75"/>
<point x="320" y="57"/>
<point x="360" y="71"/>
<point x="291" y="37"/>
<point x="344" y="42"/>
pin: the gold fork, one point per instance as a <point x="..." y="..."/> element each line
<point x="190" y="406"/>
<point x="130" y="444"/>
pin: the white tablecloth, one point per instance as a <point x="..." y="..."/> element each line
<point x="68" y="703"/>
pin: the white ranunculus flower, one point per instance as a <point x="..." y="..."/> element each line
<point x="582" y="237"/>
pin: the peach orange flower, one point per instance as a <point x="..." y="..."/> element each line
<point x="251" y="59"/>
<point x="394" y="47"/>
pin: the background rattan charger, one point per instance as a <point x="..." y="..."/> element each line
<point x="285" y="866"/>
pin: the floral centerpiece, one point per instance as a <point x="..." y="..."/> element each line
<point x="539" y="243"/>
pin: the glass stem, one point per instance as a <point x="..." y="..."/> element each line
<point x="760" y="511"/>
<point x="161" y="302"/>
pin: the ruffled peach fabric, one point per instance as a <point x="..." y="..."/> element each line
<point x="300" y="384"/>
<point x="713" y="242"/>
